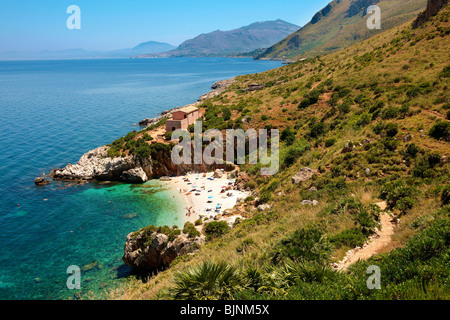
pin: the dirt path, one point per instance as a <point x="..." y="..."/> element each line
<point x="376" y="242"/>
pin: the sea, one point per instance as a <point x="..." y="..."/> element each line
<point x="51" y="113"/>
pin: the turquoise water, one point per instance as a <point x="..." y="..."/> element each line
<point x="51" y="113"/>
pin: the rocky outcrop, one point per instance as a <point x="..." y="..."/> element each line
<point x="136" y="175"/>
<point x="303" y="175"/>
<point x="218" y="87"/>
<point x="433" y="7"/>
<point x="41" y="181"/>
<point x="144" y="252"/>
<point x="96" y="164"/>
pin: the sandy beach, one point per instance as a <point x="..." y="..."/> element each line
<point x="206" y="196"/>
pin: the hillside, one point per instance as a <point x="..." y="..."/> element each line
<point x="245" y="39"/>
<point x="372" y="122"/>
<point x="340" y="24"/>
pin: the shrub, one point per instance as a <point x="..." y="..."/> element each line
<point x="168" y="136"/>
<point x="147" y="137"/>
<point x="317" y="130"/>
<point x="216" y="229"/>
<point x="131" y="135"/>
<point x="391" y="129"/>
<point x="209" y="281"/>
<point x="412" y="149"/>
<point x="440" y="130"/>
<point x="288" y="136"/>
<point x="190" y="230"/>
<point x="390" y="113"/>
<point x="307" y="244"/>
<point x="398" y="195"/>
<point x="445" y="196"/>
<point x="350" y="238"/>
<point x="226" y="113"/>
<point x="265" y="197"/>
<point x="446" y="72"/>
<point x="330" y="142"/>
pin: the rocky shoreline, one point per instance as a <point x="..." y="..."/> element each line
<point x="96" y="165"/>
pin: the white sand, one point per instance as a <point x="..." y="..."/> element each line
<point x="207" y="190"/>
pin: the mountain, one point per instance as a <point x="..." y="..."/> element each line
<point x="152" y="47"/>
<point x="340" y="24"/>
<point x="145" y="47"/>
<point x="223" y="43"/>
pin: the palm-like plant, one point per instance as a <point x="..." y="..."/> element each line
<point x="209" y="281"/>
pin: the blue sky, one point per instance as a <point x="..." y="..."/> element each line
<point x="34" y="25"/>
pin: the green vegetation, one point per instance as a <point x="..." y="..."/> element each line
<point x="373" y="130"/>
<point x="215" y="229"/>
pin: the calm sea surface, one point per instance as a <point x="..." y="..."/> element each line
<point x="51" y="112"/>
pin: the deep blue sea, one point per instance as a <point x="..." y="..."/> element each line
<point x="51" y="112"/>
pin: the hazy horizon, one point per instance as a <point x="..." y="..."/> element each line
<point x="36" y="26"/>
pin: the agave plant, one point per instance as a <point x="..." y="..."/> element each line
<point x="208" y="281"/>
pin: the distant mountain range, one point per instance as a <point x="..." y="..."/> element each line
<point x="340" y="24"/>
<point x="146" y="47"/>
<point x="234" y="42"/>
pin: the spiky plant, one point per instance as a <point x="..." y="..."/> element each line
<point x="208" y="281"/>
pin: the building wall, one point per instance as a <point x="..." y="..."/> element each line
<point x="172" y="125"/>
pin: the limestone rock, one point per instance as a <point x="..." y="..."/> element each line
<point x="218" y="174"/>
<point x="348" y="147"/>
<point x="303" y="175"/>
<point x="145" y="252"/>
<point x="309" y="203"/>
<point x="136" y="175"/>
<point x="263" y="207"/>
<point x="40" y="181"/>
<point x="95" y="164"/>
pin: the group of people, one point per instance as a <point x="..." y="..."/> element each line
<point x="189" y="212"/>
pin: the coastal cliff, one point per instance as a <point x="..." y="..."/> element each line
<point x="96" y="165"/>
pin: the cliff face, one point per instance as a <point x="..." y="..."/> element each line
<point x="96" y="165"/>
<point x="433" y="7"/>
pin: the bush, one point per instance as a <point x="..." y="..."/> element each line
<point x="440" y="130"/>
<point x="330" y="142"/>
<point x="398" y="195"/>
<point x="317" y="130"/>
<point x="445" y="196"/>
<point x="190" y="230"/>
<point x="307" y="244"/>
<point x="390" y="113"/>
<point x="265" y="197"/>
<point x="130" y="135"/>
<point x="288" y="136"/>
<point x="209" y="281"/>
<point x="350" y="238"/>
<point x="216" y="229"/>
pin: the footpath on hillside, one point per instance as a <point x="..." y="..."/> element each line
<point x="379" y="240"/>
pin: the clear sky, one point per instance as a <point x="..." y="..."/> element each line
<point x="34" y="25"/>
